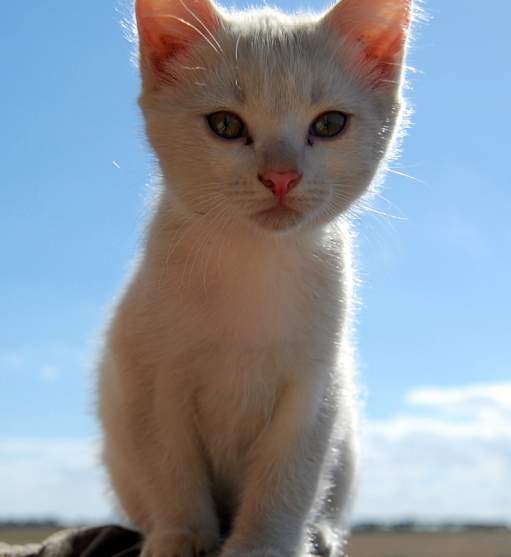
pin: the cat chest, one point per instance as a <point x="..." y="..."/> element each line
<point x="235" y="402"/>
<point x="257" y="310"/>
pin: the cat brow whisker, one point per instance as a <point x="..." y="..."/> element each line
<point x="192" y="68"/>
<point x="184" y="22"/>
<point x="236" y="48"/>
<point x="236" y="58"/>
<point x="199" y="20"/>
<point x="390" y="63"/>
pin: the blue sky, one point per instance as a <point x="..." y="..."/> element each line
<point x="433" y="329"/>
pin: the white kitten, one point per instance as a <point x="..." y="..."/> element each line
<point x="226" y="387"/>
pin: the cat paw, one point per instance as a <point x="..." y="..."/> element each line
<point x="325" y="543"/>
<point x="319" y="545"/>
<point x="180" y="543"/>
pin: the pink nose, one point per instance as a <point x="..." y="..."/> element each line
<point x="280" y="183"/>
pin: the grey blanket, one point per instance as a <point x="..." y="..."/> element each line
<point x="104" y="541"/>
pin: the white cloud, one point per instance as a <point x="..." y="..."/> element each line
<point x="52" y="478"/>
<point x="49" y="363"/>
<point x="446" y="455"/>
<point x="478" y="394"/>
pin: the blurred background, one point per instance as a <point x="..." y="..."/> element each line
<point x="434" y="333"/>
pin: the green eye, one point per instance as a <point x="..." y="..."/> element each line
<point x="227" y="125"/>
<point x="329" y="124"/>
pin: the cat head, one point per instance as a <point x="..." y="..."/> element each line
<point x="276" y="121"/>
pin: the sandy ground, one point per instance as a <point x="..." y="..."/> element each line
<point x="377" y="544"/>
<point x="442" y="544"/>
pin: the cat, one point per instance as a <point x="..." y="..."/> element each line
<point x="226" y="386"/>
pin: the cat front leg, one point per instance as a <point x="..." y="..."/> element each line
<point x="181" y="520"/>
<point x="282" y="479"/>
<point x="156" y="464"/>
<point x="330" y="524"/>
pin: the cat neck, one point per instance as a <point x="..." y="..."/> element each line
<point x="178" y="233"/>
<point x="209" y="263"/>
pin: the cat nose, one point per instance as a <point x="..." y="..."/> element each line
<point x="280" y="183"/>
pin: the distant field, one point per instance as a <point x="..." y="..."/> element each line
<point x="19" y="536"/>
<point x="377" y="544"/>
<point x="441" y="544"/>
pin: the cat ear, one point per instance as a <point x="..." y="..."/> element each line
<point x="167" y="28"/>
<point x="379" y="28"/>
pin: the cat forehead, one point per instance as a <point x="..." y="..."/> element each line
<point x="275" y="64"/>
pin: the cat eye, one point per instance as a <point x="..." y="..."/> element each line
<point x="227" y="125"/>
<point x="328" y="124"/>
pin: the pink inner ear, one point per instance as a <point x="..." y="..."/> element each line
<point x="168" y="27"/>
<point x="386" y="43"/>
<point x="379" y="27"/>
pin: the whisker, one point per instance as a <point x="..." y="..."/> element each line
<point x="184" y="22"/>
<point x="196" y="250"/>
<point x="404" y="175"/>
<point x="192" y="68"/>
<point x="199" y="20"/>
<point x="236" y="57"/>
<point x="363" y="205"/>
<point x="236" y="48"/>
<point x="180" y="233"/>
<point x="222" y="221"/>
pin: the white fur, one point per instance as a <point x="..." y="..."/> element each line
<point x="226" y="387"/>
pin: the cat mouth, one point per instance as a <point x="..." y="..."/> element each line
<point x="279" y="210"/>
<point x="278" y="217"/>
